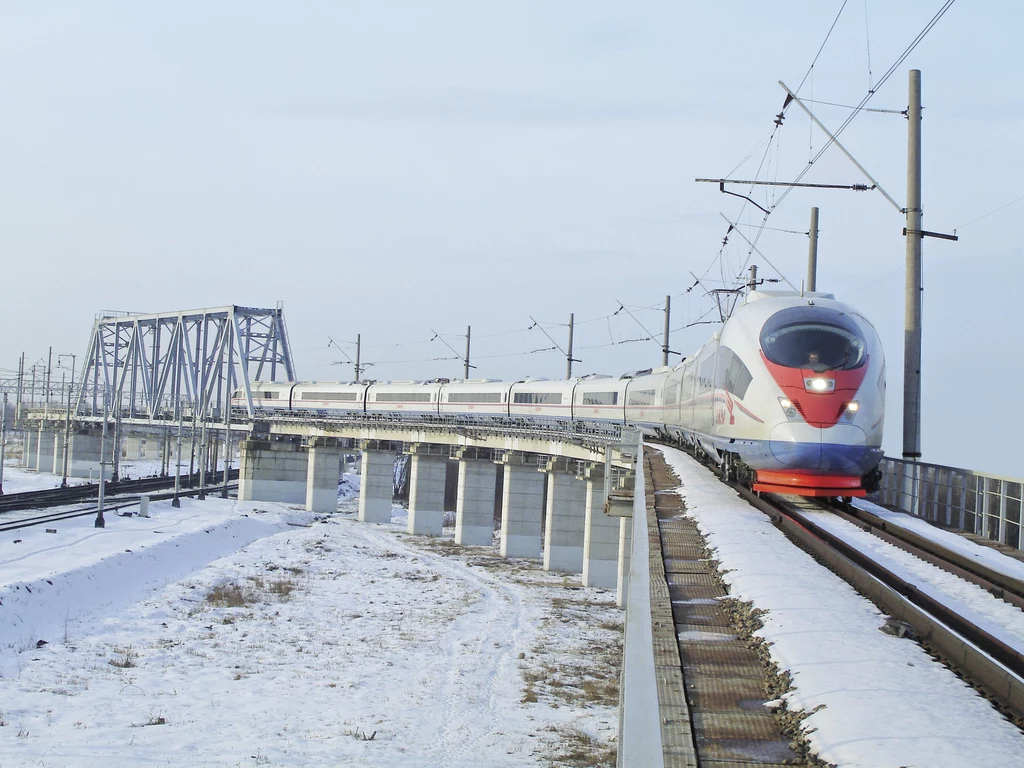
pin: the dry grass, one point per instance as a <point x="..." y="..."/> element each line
<point x="234" y="594"/>
<point x="126" y="658"/>
<point x="230" y="595"/>
<point x="577" y="749"/>
<point x="591" y="683"/>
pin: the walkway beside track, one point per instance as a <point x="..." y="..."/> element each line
<point x="710" y="682"/>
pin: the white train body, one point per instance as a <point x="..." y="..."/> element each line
<point x="788" y="395"/>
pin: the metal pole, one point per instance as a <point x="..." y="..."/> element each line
<point x="100" y="522"/>
<point x="912" y="323"/>
<point x="668" y="314"/>
<point x="176" y="502"/>
<point x="359" y="349"/>
<point x="116" y="453"/>
<point x="46" y="390"/>
<point x="192" y="448"/>
<point x="202" y="459"/>
<point x="466" y="374"/>
<point x="812" y="254"/>
<point x="752" y="283"/>
<point x="21" y="385"/>
<point x="227" y="420"/>
<point x="568" y="357"/>
<point x="3" y="442"/>
<point x="32" y="392"/>
<point x="67" y="436"/>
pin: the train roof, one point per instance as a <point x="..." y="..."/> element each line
<point x="755" y="295"/>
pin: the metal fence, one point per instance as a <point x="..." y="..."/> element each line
<point x="983" y="504"/>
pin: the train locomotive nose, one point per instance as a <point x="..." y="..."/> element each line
<point x="840" y="449"/>
<point x="796" y="445"/>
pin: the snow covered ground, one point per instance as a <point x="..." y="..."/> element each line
<point x="244" y="634"/>
<point x="872" y="699"/>
<point x="18" y="479"/>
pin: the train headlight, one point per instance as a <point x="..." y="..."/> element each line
<point x="849" y="411"/>
<point x="819" y="384"/>
<point x="789" y="408"/>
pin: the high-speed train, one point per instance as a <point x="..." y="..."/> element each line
<point x="788" y="397"/>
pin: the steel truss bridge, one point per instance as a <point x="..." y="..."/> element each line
<point x="160" y="365"/>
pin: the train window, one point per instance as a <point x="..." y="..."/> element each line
<point x="817" y="338"/>
<point x="402" y="397"/>
<point x="474" y="397"/>
<point x="266" y="395"/>
<point x="641" y="397"/>
<point x="733" y="376"/>
<point x="706" y="374"/>
<point x="600" y="398"/>
<point x="538" y="398"/>
<point x="687" y="388"/>
<point x="671" y="393"/>
<point x="328" y="396"/>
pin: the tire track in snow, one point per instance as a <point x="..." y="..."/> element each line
<point x="478" y="672"/>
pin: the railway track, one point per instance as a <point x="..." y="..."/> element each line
<point x="119" y="503"/>
<point x="58" y="497"/>
<point x="1000" y="585"/>
<point x="992" y="663"/>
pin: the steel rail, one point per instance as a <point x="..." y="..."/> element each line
<point x="57" y="497"/>
<point x="989" y="664"/>
<point x="1000" y="585"/>
<point x="16" y="525"/>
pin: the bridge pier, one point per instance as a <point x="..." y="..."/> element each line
<point x="30" y="449"/>
<point x="522" y="502"/>
<point x="625" y="548"/>
<point x="273" y="469"/>
<point x="84" y="454"/>
<point x="601" y="534"/>
<point x="322" y="474"/>
<point x="565" y="517"/>
<point x="620" y="505"/>
<point x="474" y="507"/>
<point x="377" y="481"/>
<point x="426" y="488"/>
<point x="47" y="445"/>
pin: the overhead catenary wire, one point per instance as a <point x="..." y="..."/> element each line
<point x="777" y="270"/>
<point x="855" y="110"/>
<point x="650" y="336"/>
<point x="867" y="45"/>
<point x="871" y="92"/>
<point x="990" y="213"/>
<point x="538" y="325"/>
<point x="850" y="106"/>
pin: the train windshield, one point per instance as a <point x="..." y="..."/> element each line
<point x="817" y="338"/>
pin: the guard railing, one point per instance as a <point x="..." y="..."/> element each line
<point x="976" y="502"/>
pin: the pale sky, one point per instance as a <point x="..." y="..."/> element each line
<point x="395" y="169"/>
